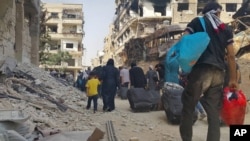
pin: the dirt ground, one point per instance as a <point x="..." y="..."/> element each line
<point x="153" y="126"/>
<point x="150" y="126"/>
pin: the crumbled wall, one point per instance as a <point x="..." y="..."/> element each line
<point x="183" y="16"/>
<point x="7" y="32"/>
<point x="26" y="55"/>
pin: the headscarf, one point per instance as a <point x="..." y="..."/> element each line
<point x="110" y="62"/>
<point x="133" y="64"/>
<point x="210" y="11"/>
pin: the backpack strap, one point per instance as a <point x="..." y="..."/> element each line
<point x="203" y="23"/>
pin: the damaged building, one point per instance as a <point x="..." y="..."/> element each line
<point x="141" y="27"/>
<point x="241" y="28"/>
<point x="19" y="28"/>
<point x="65" y="27"/>
<point x="28" y="113"/>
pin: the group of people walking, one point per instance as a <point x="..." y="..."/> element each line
<point x="104" y="81"/>
<point x="204" y="82"/>
<point x="136" y="78"/>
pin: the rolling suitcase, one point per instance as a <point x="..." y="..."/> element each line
<point x="123" y="92"/>
<point x="139" y="99"/>
<point x="156" y="100"/>
<point x="172" y="104"/>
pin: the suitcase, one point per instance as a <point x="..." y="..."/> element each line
<point x="123" y="92"/>
<point x="156" y="100"/>
<point x="139" y="100"/>
<point x="172" y="104"/>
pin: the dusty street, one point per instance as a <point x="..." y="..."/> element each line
<point x="151" y="126"/>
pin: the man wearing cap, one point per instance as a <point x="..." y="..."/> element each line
<point x="207" y="75"/>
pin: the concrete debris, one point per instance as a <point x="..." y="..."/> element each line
<point x="11" y="135"/>
<point x="13" y="115"/>
<point x="241" y="40"/>
<point x="134" y="139"/>
<point x="8" y="66"/>
<point x="69" y="136"/>
<point x="15" y="131"/>
<point x="33" y="97"/>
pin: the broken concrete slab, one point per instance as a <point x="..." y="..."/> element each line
<point x="13" y="115"/>
<point x="11" y="135"/>
<point x="8" y="65"/>
<point x="241" y="40"/>
<point x="69" y="136"/>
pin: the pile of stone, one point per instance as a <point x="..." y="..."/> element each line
<point x="34" y="104"/>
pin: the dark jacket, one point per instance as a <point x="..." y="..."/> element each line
<point x="137" y="77"/>
<point x="110" y="77"/>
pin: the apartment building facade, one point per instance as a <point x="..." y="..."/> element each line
<point x="141" y="18"/>
<point x="65" y="27"/>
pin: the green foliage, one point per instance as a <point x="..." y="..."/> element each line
<point x="54" y="58"/>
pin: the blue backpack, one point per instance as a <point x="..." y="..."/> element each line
<point x="189" y="48"/>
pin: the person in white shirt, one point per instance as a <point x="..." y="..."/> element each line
<point x="124" y="75"/>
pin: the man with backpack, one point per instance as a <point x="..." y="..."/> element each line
<point x="207" y="75"/>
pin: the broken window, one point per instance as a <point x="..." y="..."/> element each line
<point x="69" y="45"/>
<point x="54" y="15"/>
<point x="71" y="16"/>
<point x="160" y="9"/>
<point x="202" y="1"/>
<point x="135" y="6"/>
<point x="182" y="6"/>
<point x="54" y="45"/>
<point x="200" y="6"/>
<point x="52" y="28"/>
<point x="231" y="7"/>
<point x="71" y="62"/>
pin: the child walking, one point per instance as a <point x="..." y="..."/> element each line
<point x="92" y="90"/>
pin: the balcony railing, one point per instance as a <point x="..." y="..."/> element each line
<point x="78" y="36"/>
<point x="72" y="17"/>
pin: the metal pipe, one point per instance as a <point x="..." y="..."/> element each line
<point x="111" y="131"/>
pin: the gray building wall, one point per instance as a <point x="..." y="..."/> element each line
<point x="7" y="29"/>
<point x="19" y="30"/>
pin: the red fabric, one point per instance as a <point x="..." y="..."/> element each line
<point x="222" y="26"/>
<point x="233" y="110"/>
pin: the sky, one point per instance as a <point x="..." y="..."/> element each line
<point x="98" y="15"/>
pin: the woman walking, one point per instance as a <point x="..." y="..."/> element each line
<point x="109" y="85"/>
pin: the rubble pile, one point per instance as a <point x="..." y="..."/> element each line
<point x="44" y="102"/>
<point x="242" y="42"/>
